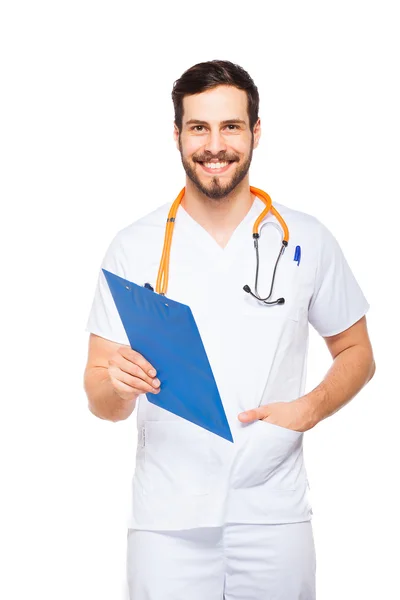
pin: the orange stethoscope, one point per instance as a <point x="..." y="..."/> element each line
<point x="162" y="277"/>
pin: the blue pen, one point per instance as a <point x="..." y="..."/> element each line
<point x="297" y="255"/>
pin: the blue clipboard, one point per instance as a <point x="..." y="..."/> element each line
<point x="165" y="332"/>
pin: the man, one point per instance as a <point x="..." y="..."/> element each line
<point x="211" y="519"/>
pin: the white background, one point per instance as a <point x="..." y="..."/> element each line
<point x="87" y="148"/>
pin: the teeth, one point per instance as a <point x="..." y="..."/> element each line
<point x="215" y="165"/>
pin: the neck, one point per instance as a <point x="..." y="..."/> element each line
<point x="222" y="215"/>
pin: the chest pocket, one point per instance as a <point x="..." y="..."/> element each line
<point x="277" y="313"/>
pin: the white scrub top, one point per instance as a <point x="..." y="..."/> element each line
<point x="185" y="476"/>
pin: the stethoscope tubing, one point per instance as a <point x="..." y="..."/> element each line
<point x="163" y="271"/>
<point x="256" y="294"/>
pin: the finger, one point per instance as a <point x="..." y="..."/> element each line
<point x="120" y="387"/>
<point x="135" y="382"/>
<point x="133" y="369"/>
<point x="123" y="387"/>
<point x="251" y="415"/>
<point x="137" y="358"/>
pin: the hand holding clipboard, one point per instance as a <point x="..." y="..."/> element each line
<point x="166" y="334"/>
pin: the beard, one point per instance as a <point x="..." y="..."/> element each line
<point x="215" y="190"/>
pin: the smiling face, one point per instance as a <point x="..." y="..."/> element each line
<point x="216" y="142"/>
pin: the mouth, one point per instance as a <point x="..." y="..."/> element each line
<point x="216" y="167"/>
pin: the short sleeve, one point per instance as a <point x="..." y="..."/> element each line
<point x="104" y="319"/>
<point x="337" y="301"/>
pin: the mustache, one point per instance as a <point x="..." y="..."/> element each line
<point x="218" y="158"/>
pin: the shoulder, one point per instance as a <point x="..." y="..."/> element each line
<point x="145" y="231"/>
<point x="302" y="222"/>
<point x="306" y="228"/>
<point x="315" y="241"/>
<point x="136" y="248"/>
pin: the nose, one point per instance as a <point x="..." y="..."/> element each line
<point x="215" y="142"/>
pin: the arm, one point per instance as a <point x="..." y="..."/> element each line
<point x="103" y="401"/>
<point x="337" y="299"/>
<point x="353" y="367"/>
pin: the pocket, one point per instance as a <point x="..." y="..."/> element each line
<point x="268" y="454"/>
<point x="256" y="308"/>
<point x="277" y="313"/>
<point x="265" y="334"/>
<point x="176" y="458"/>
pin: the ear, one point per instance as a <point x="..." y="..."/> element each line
<point x="257" y="133"/>
<point x="176" y="135"/>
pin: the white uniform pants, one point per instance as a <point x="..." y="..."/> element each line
<point x="234" y="562"/>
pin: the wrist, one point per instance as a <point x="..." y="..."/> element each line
<point x="308" y="407"/>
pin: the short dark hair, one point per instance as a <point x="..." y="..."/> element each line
<point x="207" y="75"/>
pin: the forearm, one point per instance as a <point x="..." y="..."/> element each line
<point x="103" y="400"/>
<point x="350" y="372"/>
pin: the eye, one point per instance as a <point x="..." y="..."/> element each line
<point x="199" y="128"/>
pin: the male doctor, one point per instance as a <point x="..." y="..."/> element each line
<point x="210" y="519"/>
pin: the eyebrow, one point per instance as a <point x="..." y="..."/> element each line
<point x="226" y="122"/>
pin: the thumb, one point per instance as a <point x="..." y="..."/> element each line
<point x="251" y="415"/>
